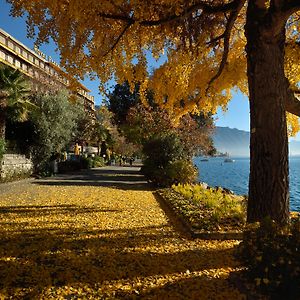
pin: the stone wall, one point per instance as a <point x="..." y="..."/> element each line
<point x="15" y="166"/>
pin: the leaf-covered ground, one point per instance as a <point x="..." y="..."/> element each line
<point x="88" y="241"/>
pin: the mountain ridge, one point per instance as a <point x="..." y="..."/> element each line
<point x="236" y="142"/>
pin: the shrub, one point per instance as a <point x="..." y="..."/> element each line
<point x="55" y="123"/>
<point x="181" y="171"/>
<point x="86" y="163"/>
<point x="164" y="149"/>
<point x="15" y="175"/>
<point x="98" y="161"/>
<point x="272" y="255"/>
<point x="221" y="207"/>
<point x="165" y="161"/>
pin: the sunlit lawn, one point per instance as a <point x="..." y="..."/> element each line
<point x="89" y="242"/>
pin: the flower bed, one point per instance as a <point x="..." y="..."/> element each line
<point x="207" y="212"/>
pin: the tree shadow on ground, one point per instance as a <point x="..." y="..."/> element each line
<point x="114" y="177"/>
<point x="35" y="256"/>
<point x="97" y="250"/>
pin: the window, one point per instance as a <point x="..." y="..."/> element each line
<point x="2" y="40"/>
<point x="24" y="67"/>
<point x="10" y="59"/>
<point x="2" y="54"/>
<point x="18" y="49"/>
<point x="10" y="45"/>
<point x="17" y="63"/>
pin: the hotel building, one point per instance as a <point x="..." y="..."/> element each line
<point x="43" y="73"/>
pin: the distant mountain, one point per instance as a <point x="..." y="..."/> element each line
<point x="236" y="142"/>
<point x="294" y="147"/>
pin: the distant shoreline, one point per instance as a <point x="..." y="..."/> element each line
<point x="241" y="156"/>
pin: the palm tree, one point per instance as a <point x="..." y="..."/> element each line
<point x="14" y="92"/>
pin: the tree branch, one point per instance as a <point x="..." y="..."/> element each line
<point x="118" y="39"/>
<point x="209" y="9"/>
<point x="292" y="104"/>
<point x="226" y="35"/>
<point x="216" y="39"/>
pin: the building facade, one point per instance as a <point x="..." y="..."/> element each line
<point x="43" y="73"/>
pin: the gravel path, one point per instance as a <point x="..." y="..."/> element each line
<point x="101" y="234"/>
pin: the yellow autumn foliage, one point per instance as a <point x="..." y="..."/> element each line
<point x="112" y="38"/>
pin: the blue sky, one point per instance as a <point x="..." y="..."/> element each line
<point x="237" y="115"/>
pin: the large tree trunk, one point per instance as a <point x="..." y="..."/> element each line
<point x="268" y="89"/>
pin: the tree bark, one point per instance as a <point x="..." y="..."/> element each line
<point x="268" y="90"/>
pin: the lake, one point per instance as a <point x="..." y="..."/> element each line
<point x="235" y="176"/>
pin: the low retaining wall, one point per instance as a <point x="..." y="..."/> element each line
<point x="15" y="166"/>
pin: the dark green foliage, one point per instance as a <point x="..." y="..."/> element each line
<point x="165" y="163"/>
<point x="121" y="100"/>
<point x="86" y="162"/>
<point x="164" y="149"/>
<point x="55" y="125"/>
<point x="272" y="255"/>
<point x="91" y="162"/>
<point x="68" y="166"/>
<point x="178" y="171"/>
<point x="20" y="136"/>
<point x="80" y="163"/>
<point x="14" y="92"/>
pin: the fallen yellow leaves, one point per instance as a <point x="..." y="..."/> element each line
<point x="88" y="242"/>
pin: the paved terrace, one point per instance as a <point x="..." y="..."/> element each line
<point x="101" y="234"/>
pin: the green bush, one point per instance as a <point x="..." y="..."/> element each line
<point x="86" y="162"/>
<point x="81" y="163"/>
<point x="98" y="161"/>
<point x="166" y="161"/>
<point x="164" y="149"/>
<point x="2" y="148"/>
<point x="179" y="171"/>
<point x="272" y="255"/>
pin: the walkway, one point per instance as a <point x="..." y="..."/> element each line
<point x="101" y="234"/>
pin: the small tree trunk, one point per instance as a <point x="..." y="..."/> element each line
<point x="269" y="181"/>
